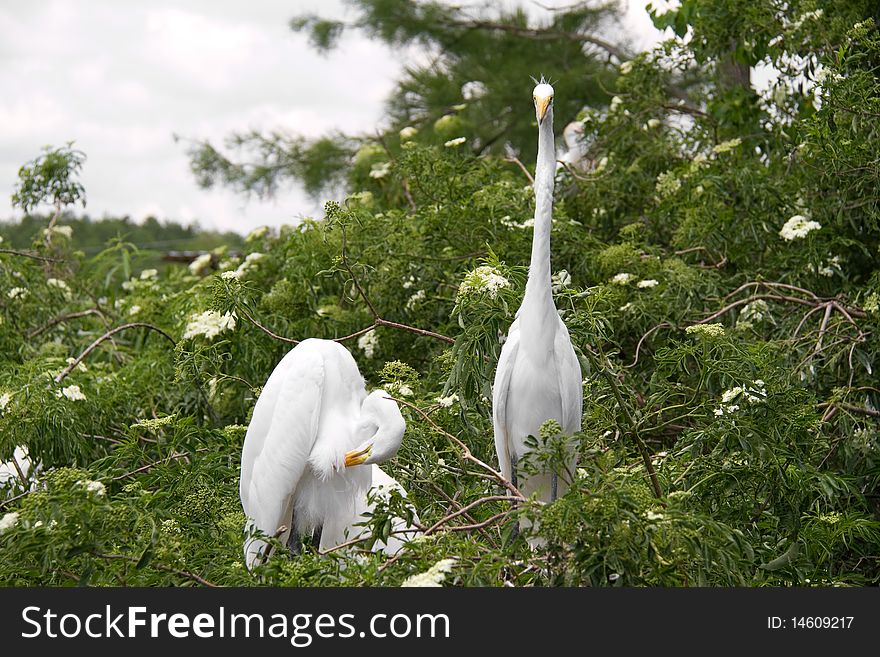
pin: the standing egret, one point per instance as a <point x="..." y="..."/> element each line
<point x="538" y="376"/>
<point x="313" y="429"/>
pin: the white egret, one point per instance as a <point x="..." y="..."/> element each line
<point x="538" y="376"/>
<point x="313" y="431"/>
<point x="577" y="146"/>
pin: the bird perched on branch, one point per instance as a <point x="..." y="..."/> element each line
<point x="538" y="376"/>
<point x="309" y="458"/>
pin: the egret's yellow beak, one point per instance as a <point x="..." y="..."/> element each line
<point x="356" y="457"/>
<point x="542" y="104"/>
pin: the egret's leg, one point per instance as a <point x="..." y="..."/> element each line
<point x="514" y="533"/>
<point x="294" y="541"/>
<point x="316" y="537"/>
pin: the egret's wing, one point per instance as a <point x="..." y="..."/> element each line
<point x="280" y="437"/>
<point x="570" y="381"/>
<point x="500" y="392"/>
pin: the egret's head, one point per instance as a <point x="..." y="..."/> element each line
<point x="543" y="97"/>
<point x="381" y="412"/>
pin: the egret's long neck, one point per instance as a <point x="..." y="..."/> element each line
<point x="538" y="300"/>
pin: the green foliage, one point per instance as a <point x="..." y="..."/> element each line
<point x="50" y="178"/>
<point x="715" y="265"/>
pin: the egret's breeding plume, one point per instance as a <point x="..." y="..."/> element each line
<point x="538" y="376"/>
<point x="308" y="461"/>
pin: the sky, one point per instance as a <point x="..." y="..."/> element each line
<point x="120" y="79"/>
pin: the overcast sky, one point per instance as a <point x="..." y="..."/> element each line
<point x="120" y="78"/>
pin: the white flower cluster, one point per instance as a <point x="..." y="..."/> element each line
<point x="95" y="487"/>
<point x="60" y="285"/>
<point x="209" y="324"/>
<point x="706" y="330"/>
<point x="380" y="170"/>
<point x="73" y="393"/>
<point x="64" y="231"/>
<point x="398" y="388"/>
<point x="473" y="90"/>
<point x="434" y="576"/>
<point x="8" y="521"/>
<point x="257" y="233"/>
<point x="483" y="279"/>
<point x="446" y="402"/>
<point x="455" y="143"/>
<point x="415" y="299"/>
<point x="408" y="133"/>
<point x="622" y="278"/>
<point x="525" y="223"/>
<point x="17" y="293"/>
<point x="753" y="394"/>
<point x="5" y="398"/>
<point x="560" y="280"/>
<point x="726" y="146"/>
<point x="647" y="283"/>
<point x="249" y="263"/>
<point x="201" y="264"/>
<point x="368" y="343"/>
<point x="149" y="274"/>
<point x="667" y="184"/>
<point x="798" y="227"/>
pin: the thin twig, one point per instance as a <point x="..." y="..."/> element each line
<point x="63" y="318"/>
<point x="158" y="566"/>
<point x="67" y="370"/>
<point x="28" y="254"/>
<point x="468" y="455"/>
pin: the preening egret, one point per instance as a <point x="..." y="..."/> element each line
<point x="538" y="376"/>
<point x="309" y="455"/>
<point x="577" y="145"/>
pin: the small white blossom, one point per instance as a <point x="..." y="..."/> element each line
<point x="648" y="282"/>
<point x="73" y="393"/>
<point x="149" y="274"/>
<point x="402" y="389"/>
<point x="257" y="233"/>
<point x="59" y="284"/>
<point x="201" y="264"/>
<point x="95" y="487"/>
<point x="751" y="394"/>
<point x="408" y="133"/>
<point x="667" y="184"/>
<point x="652" y="124"/>
<point x="368" y="343"/>
<point x="134" y="310"/>
<point x="625" y="307"/>
<point x="626" y="67"/>
<point x="603" y="163"/>
<point x="415" y="299"/>
<point x="380" y="170"/>
<point x="434" y="576"/>
<point x="17" y="293"/>
<point x="616" y="102"/>
<point x="446" y="402"/>
<point x="726" y="146"/>
<point x="798" y="227"/>
<point x="652" y="515"/>
<point x="8" y="521"/>
<point x="64" y="231"/>
<point x="621" y="279"/>
<point x="483" y="279"/>
<point x="209" y="324"/>
<point x="5" y="398"/>
<point x="231" y="275"/>
<point x="473" y="90"/>
<point x="454" y="143"/>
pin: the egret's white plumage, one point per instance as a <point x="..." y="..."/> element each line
<point x="309" y="455"/>
<point x="20" y="465"/>
<point x="538" y="376"/>
<point x="577" y="146"/>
